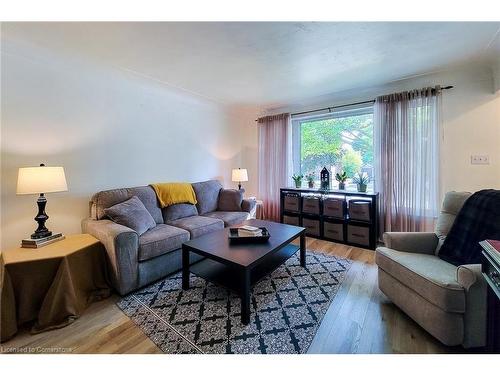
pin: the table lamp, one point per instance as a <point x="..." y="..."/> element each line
<point x="239" y="176"/>
<point x="41" y="180"/>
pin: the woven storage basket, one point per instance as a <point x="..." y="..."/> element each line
<point x="291" y="220"/>
<point x="311" y="205"/>
<point x="333" y="231"/>
<point x="358" y="235"/>
<point x="334" y="207"/>
<point x="359" y="210"/>
<point x="312" y="226"/>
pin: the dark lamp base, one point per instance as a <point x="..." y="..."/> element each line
<point x="41" y="218"/>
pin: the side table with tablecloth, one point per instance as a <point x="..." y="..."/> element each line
<point x="50" y="287"/>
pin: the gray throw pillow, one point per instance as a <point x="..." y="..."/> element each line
<point x="207" y="195"/>
<point x="230" y="200"/>
<point x="133" y="214"/>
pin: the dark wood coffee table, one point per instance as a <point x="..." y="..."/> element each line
<point x="239" y="266"/>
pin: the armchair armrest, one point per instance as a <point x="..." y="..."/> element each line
<point x="248" y="204"/>
<point x="469" y="276"/>
<point x="122" y="245"/>
<point x="411" y="242"/>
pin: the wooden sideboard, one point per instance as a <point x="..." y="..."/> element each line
<point x="306" y="209"/>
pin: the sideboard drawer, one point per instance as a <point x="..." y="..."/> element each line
<point x="334" y="207"/>
<point x="312" y="226"/>
<point x="292" y="202"/>
<point x="333" y="231"/>
<point x="358" y="235"/>
<point x="310" y="205"/>
<point x="291" y="220"/>
<point x="359" y="210"/>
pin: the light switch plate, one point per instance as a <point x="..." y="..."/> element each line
<point x="480" y="159"/>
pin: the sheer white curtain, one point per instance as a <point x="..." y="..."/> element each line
<point x="407" y="129"/>
<point x="274" y="161"/>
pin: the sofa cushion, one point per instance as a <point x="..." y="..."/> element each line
<point x="207" y="195"/>
<point x="229" y="218"/>
<point x="178" y="211"/>
<point x="230" y="200"/>
<point x="131" y="214"/>
<point x="162" y="239"/>
<point x="198" y="225"/>
<point x="107" y="198"/>
<point x="429" y="276"/>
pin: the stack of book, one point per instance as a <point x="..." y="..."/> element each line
<point x="249" y="231"/>
<point x="492" y="248"/>
<point x="35" y="243"/>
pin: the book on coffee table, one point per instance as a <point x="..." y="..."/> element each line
<point x="249" y="231"/>
<point x="243" y="233"/>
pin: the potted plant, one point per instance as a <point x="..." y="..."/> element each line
<point x="361" y="180"/>
<point x="310" y="180"/>
<point x="341" y="178"/>
<point x="298" y="180"/>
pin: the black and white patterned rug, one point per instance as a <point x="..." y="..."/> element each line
<point x="287" y="308"/>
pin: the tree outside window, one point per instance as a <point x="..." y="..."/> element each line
<point x="340" y="144"/>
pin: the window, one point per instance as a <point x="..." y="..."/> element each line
<point x="339" y="141"/>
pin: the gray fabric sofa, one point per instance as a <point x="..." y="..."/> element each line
<point x="449" y="302"/>
<point x="135" y="261"/>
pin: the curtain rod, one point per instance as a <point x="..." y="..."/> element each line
<point x="330" y="108"/>
<point x="345" y="105"/>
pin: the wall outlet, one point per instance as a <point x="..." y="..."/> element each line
<point x="480" y="159"/>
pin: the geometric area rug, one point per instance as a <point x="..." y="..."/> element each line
<point x="287" y="307"/>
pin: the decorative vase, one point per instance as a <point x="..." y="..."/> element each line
<point x="362" y="188"/>
<point x="341" y="185"/>
<point x="298" y="184"/>
<point x="310" y="184"/>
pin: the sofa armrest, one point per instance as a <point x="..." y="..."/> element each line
<point x="248" y="205"/>
<point x="412" y="242"/>
<point x="122" y="245"/>
<point x="469" y="276"/>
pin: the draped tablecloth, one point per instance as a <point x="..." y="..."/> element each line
<point x="50" y="287"/>
<point x="259" y="210"/>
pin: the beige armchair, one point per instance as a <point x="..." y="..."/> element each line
<point x="449" y="302"/>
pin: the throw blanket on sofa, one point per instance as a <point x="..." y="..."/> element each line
<point x="170" y="193"/>
<point x="479" y="219"/>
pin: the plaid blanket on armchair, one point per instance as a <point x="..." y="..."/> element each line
<point x="479" y="219"/>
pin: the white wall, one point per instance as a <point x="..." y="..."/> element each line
<point x="471" y="121"/>
<point x="249" y="156"/>
<point x="108" y="128"/>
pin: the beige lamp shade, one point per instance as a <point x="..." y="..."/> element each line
<point x="36" y="180"/>
<point x="239" y="175"/>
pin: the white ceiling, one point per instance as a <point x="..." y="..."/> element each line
<point x="268" y="64"/>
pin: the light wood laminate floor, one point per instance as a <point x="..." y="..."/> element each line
<point x="360" y="320"/>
